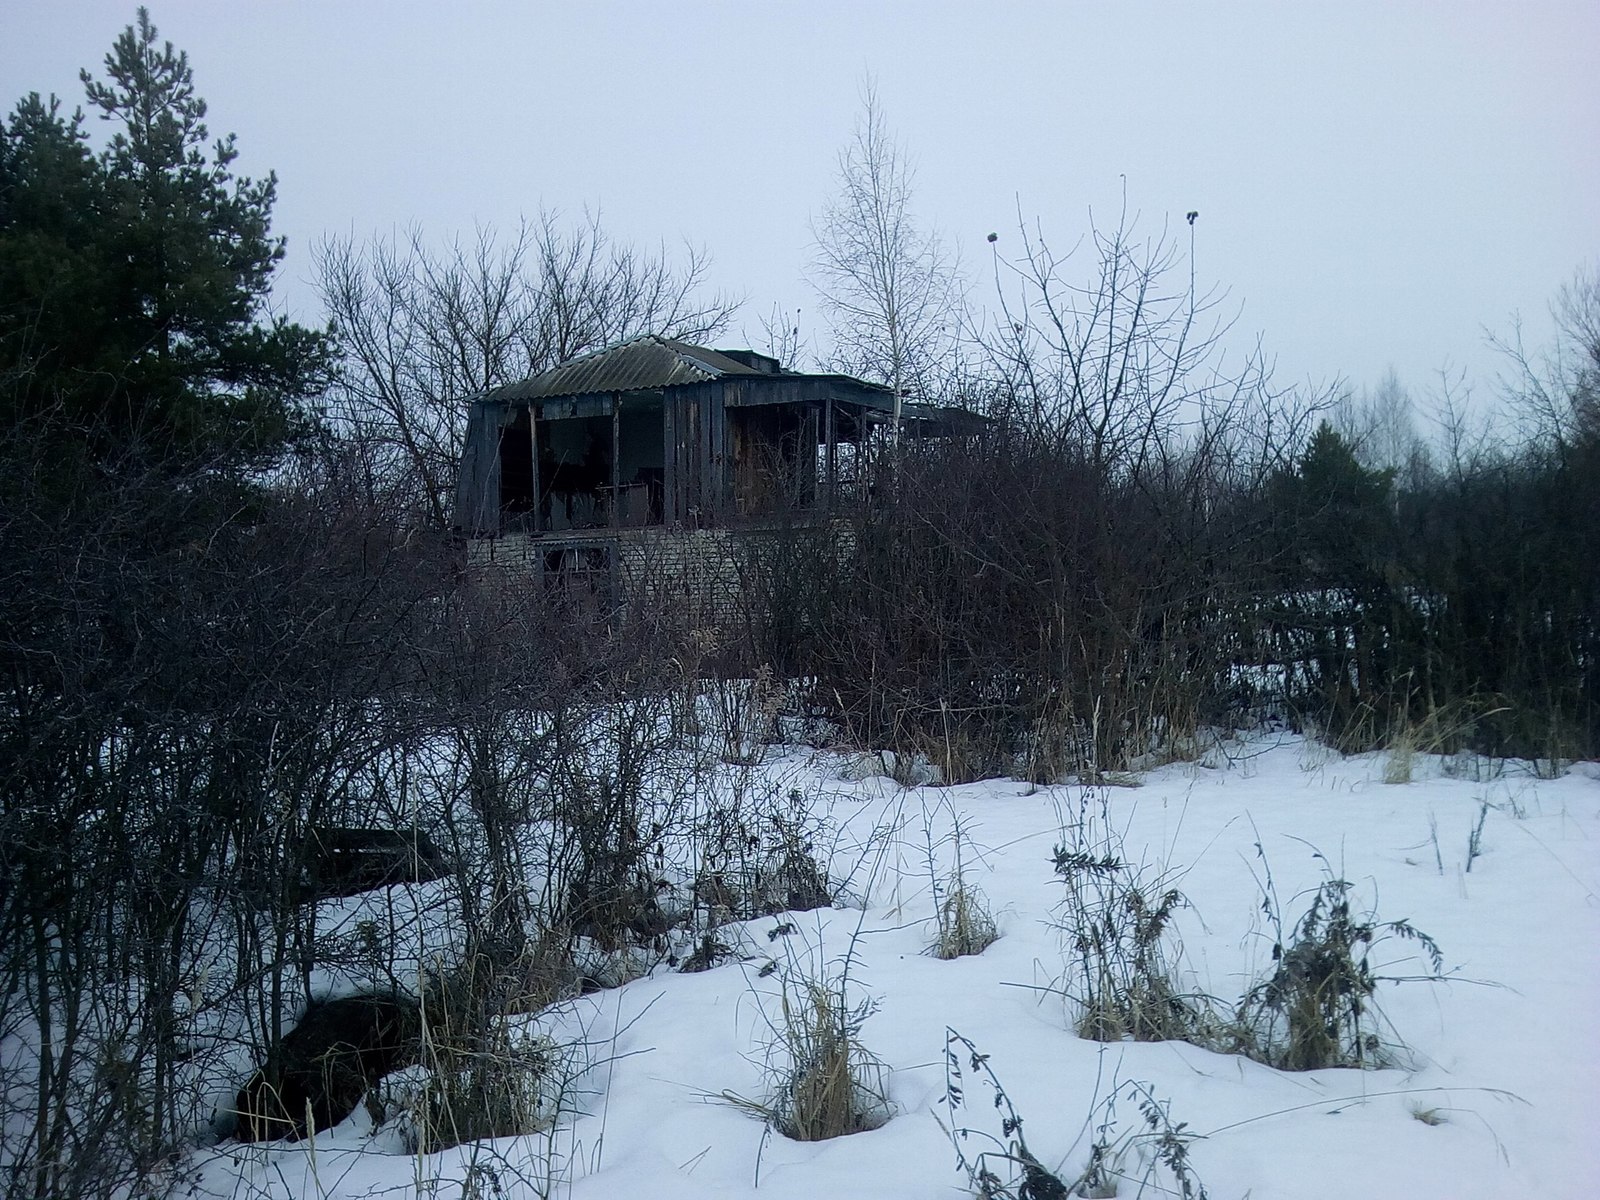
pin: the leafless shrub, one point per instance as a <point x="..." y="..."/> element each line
<point x="759" y="852"/>
<point x="744" y="713"/>
<point x="213" y="676"/>
<point x="993" y="626"/>
<point x="199" y="675"/>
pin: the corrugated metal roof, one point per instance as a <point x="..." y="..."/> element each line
<point x="642" y="362"/>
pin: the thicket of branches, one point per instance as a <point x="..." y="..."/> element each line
<point x="1145" y="542"/>
<point x="227" y="626"/>
<point x="1456" y="605"/>
<point x="1058" y="592"/>
<point x="1148" y="538"/>
<point x="200" y="679"/>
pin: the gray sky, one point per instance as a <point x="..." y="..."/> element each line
<point x="1377" y="182"/>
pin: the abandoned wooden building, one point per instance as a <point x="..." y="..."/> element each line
<point x="594" y="462"/>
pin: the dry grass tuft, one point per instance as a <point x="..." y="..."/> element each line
<point x="965" y="924"/>
<point x="1442" y="730"/>
<point x="823" y="1082"/>
<point x="1402" y="750"/>
<point x="486" y="1076"/>
<point x="507" y="1086"/>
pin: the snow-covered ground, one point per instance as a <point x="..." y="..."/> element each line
<point x="1501" y="1057"/>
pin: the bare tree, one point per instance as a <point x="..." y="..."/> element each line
<point x="1125" y="363"/>
<point x="1556" y="392"/>
<point x="1578" y="318"/>
<point x="890" y="291"/>
<point x="423" y="329"/>
<point x="1380" y="425"/>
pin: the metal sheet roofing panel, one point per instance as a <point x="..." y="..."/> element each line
<point x="640" y="363"/>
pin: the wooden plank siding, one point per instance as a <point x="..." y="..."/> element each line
<point x="478" y="484"/>
<point x="806" y="452"/>
<point x="688" y="447"/>
<point x="830" y="435"/>
<point x="707" y="408"/>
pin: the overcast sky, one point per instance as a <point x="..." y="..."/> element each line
<point x="1378" y="183"/>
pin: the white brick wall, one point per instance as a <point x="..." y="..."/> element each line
<point x="697" y="572"/>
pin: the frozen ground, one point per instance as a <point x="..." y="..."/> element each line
<point x="1502" y="1056"/>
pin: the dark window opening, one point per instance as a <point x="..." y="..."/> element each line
<point x="578" y="575"/>
<point x="579" y="486"/>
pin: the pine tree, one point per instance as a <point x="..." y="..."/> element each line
<point x="1343" y="597"/>
<point x="1340" y="511"/>
<point x="51" y="203"/>
<point x="133" y="302"/>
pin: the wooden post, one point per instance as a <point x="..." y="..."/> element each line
<point x="616" y="459"/>
<point x="866" y="454"/>
<point x="533" y="446"/>
<point x="828" y="456"/>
